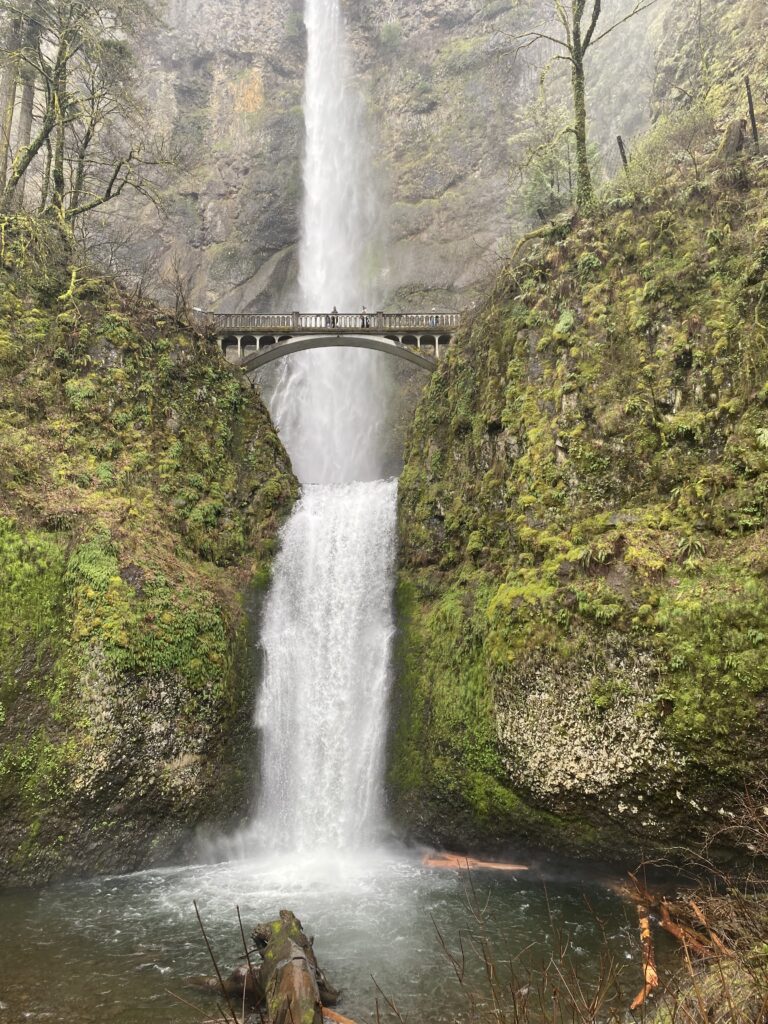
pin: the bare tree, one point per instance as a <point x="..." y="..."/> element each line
<point x="91" y="129"/>
<point x="573" y="28"/>
<point x="9" y="79"/>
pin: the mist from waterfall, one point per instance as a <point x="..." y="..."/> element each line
<point x="329" y="622"/>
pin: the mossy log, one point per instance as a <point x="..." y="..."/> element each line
<point x="288" y="973"/>
<point x="288" y="982"/>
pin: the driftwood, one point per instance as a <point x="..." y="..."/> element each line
<point x="650" y="974"/>
<point x="682" y="918"/>
<point x="288" y="982"/>
<point x="461" y="862"/>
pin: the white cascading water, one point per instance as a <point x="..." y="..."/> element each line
<point x="328" y="623"/>
<point x="329" y="406"/>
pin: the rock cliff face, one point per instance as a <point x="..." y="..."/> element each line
<point x="446" y="100"/>
<point x="583" y="586"/>
<point x="227" y="79"/>
<point x="141" y="489"/>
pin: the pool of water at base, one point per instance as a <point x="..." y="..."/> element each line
<point x="111" y="948"/>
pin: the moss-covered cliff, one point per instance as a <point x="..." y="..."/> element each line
<point x="141" y="487"/>
<point x="584" y="578"/>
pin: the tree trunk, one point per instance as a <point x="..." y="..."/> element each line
<point x="27" y="103"/>
<point x="289" y="975"/>
<point x="25" y="158"/>
<point x="58" y="199"/>
<point x="8" y="84"/>
<point x="50" y="120"/>
<point x="79" y="180"/>
<point x="287" y="982"/>
<point x="584" y="191"/>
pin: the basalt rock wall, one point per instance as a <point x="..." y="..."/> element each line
<point x="583" y="510"/>
<point x="446" y="92"/>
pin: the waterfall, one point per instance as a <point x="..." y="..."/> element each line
<point x="329" y="406"/>
<point x="328" y="622"/>
<point x="327" y="632"/>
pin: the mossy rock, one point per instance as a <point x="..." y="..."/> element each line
<point x="142" y="487"/>
<point x="583" y="541"/>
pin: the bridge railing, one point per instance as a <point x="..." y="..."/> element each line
<point x="290" y="323"/>
<point x="335" y="321"/>
<point x="239" y="322"/>
<point x="406" y="321"/>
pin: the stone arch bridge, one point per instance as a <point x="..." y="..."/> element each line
<point x="253" y="340"/>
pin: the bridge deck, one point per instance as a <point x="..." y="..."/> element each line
<point x="332" y="323"/>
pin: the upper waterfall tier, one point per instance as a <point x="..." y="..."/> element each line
<point x="331" y="409"/>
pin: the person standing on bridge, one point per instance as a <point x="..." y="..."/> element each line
<point x="365" y="320"/>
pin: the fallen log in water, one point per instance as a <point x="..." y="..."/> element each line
<point x="287" y="983"/>
<point x="289" y="974"/>
<point x="460" y="862"/>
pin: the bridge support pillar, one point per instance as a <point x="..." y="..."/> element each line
<point x="220" y="342"/>
<point x="295" y="320"/>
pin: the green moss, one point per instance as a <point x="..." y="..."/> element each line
<point x="31" y="569"/>
<point x="141" y="489"/>
<point x="596" y="468"/>
<point x="714" y="630"/>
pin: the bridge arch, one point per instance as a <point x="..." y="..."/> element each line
<point x="306" y="343"/>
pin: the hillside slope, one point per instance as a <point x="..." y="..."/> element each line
<point x="584" y="571"/>
<point x="141" y="488"/>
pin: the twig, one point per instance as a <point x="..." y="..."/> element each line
<point x="186" y="1002"/>
<point x="222" y="986"/>
<point x="389" y="1003"/>
<point x="714" y="939"/>
<point x="251" y="974"/>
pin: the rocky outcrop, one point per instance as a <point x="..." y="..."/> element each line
<point x="141" y="490"/>
<point x="226" y="80"/>
<point x="583" y="576"/>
